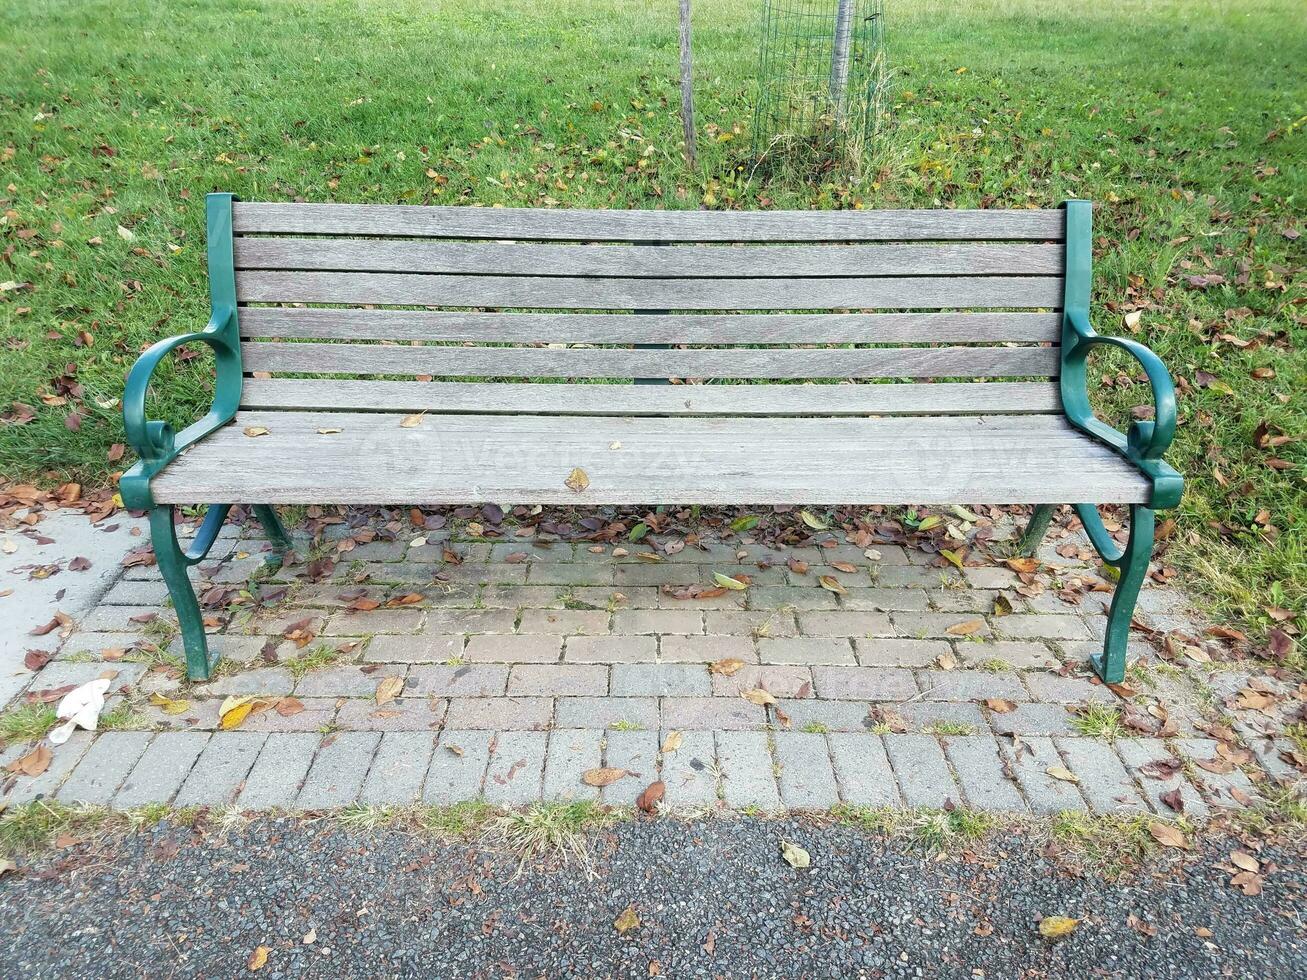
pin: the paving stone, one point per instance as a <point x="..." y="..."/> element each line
<point x="807" y="781"/>
<point x="451" y="620"/>
<point x="1026" y="654"/>
<point x="1217" y="784"/>
<point x="991" y="577"/>
<point x="1046" y="794"/>
<point x="1138" y="754"/>
<point x="509" y="597"/>
<point x="345" y="682"/>
<point x="103" y="767"/>
<point x="942" y="716"/>
<point x="1066" y="690"/>
<point x="635" y="752"/>
<point x="706" y="649"/>
<point x="723" y="714"/>
<point x="564" y="622"/>
<point x="571" y="752"/>
<point x="426" y="648"/>
<point x="969" y="685"/>
<point x="465" y="681"/>
<point x="408" y="714"/>
<point x="535" y="552"/>
<point x="458" y="767"/>
<point x="628" y="576"/>
<point x="473" y="572"/>
<point x="1034" y="719"/>
<point x="1044" y="626"/>
<point x="909" y="576"/>
<point x="610" y="649"/>
<point x="862" y="770"/>
<point x="745" y="762"/>
<point x="219" y="773"/>
<point x="66" y="756"/>
<point x="61" y="673"/>
<point x="784" y="682"/>
<point x="523" y="649"/>
<point x="885" y="600"/>
<point x="260" y="680"/>
<point x="609" y="597"/>
<point x="607" y="712"/>
<point x="900" y="652"/>
<point x="500" y="714"/>
<point x="981" y="772"/>
<point x="398" y="768"/>
<point x="975" y="601"/>
<point x="864" y="683"/>
<point x="237" y="649"/>
<point x="791" y="597"/>
<point x="827" y="716"/>
<point x="936" y="625"/>
<point x="338" y="770"/>
<point x="751" y="622"/>
<point x="136" y="594"/>
<point x="636" y="621"/>
<point x="660" y="680"/>
<point x="517" y="763"/>
<point x="759" y="575"/>
<point x="318" y="713"/>
<point x="124" y="619"/>
<point x="922" y="771"/>
<point x="581" y="573"/>
<point x="845" y="623"/>
<point x="1103" y="779"/>
<point x="161" y="769"/>
<point x="690" y="773"/>
<point x="583" y="680"/>
<point x="93" y="643"/>
<point x="806" y="650"/>
<point x="377" y="621"/>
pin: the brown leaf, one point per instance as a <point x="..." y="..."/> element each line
<point x="1174" y="799"/>
<point x="1000" y="706"/>
<point x="363" y="604"/>
<point x="831" y="584"/>
<point x="1249" y="882"/>
<point x="1168" y="835"/>
<point x="388" y="689"/>
<point x="727" y="666"/>
<point x="79" y="564"/>
<point x="411" y="421"/>
<point x="577" y="480"/>
<point x="287" y="707"/>
<point x="672" y="742"/>
<point x="1245" y="861"/>
<point x="1025" y="566"/>
<point x="627" y="921"/>
<point x="653" y="793"/>
<point x="254" y="431"/>
<point x="798" y="566"/>
<point x="34" y="763"/>
<point x="258" y="959"/>
<point x="965" y="628"/>
<point x="758" y="696"/>
<point x="604" y="777"/>
<point x="844" y="566"/>
<point x="947" y="660"/>
<point x="36" y="659"/>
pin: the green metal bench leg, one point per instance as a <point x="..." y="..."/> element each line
<point x="276" y="532"/>
<point x="173" y="563"/>
<point x="1035" y="530"/>
<point x="1131" y="563"/>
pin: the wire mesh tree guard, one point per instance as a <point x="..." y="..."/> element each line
<point x="821" y="77"/>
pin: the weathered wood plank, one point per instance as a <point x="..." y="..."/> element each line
<point x="1018" y="397"/>
<point x="543" y="362"/>
<point x="539" y="224"/>
<point x="647" y="261"/>
<point x="625" y="294"/>
<point x="527" y="459"/>
<point x="324" y="323"/>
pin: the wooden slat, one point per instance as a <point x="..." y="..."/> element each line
<point x="541" y="362"/>
<point x="527" y="459"/>
<point x="1017" y="397"/>
<point x="538" y="224"/>
<point x="604" y="328"/>
<point x="647" y="261"/>
<point x="625" y="294"/>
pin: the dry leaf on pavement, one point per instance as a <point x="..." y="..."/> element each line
<point x="1057" y="926"/>
<point x="795" y="856"/>
<point x="604" y="777"/>
<point x="388" y="689"/>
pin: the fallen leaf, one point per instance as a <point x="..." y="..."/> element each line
<point x="36" y="659"/>
<point x="1000" y="706"/>
<point x="727" y="666"/>
<point x="843" y="566"/>
<point x="671" y="743"/>
<point x="577" y="480"/>
<point x="831" y="584"/>
<point x="813" y="521"/>
<point x="1245" y="861"/>
<point x="965" y="628"/>
<point x="254" y="431"/>
<point x="1168" y="835"/>
<point x="758" y="696"/>
<point x="233" y="711"/>
<point x="258" y="959"/>
<point x="604" y="776"/>
<point x="947" y="660"/>
<point x="648" y="800"/>
<point x="627" y="921"/>
<point x="34" y="763"/>
<point x="310" y="937"/>
<point x="411" y="421"/>
<point x="287" y="707"/>
<point x="388" y="689"/>
<point x="1057" y="926"/>
<point x="170" y="706"/>
<point x="1249" y="882"/>
<point x="795" y="856"/>
<point x="1062" y="773"/>
<point x="327" y="432"/>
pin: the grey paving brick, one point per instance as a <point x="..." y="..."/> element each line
<point x="61" y="673"/>
<point x="608" y="597"/>
<point x="908" y="576"/>
<point x="466" y="680"/>
<point x="94" y="644"/>
<point x="104" y="766"/>
<point x="125" y="619"/>
<point x="535" y="680"/>
<point x="1066" y="690"/>
<point x="580" y="573"/>
<point x="1025" y="654"/>
<point x="564" y="622"/>
<point x="862" y="770"/>
<point x="607" y="712"/>
<point x="425" y="648"/>
<point x="1044" y="627"/>
<point x="161" y="769"/>
<point x="690" y="774"/>
<point x="474" y="572"/>
<point x="530" y="648"/>
<point x="535" y="552"/>
<point x="844" y="622"/>
<point x="346" y="682"/>
<point x="975" y="601"/>
<point x="782" y="681"/>
<point x="885" y="600"/>
<point x="922" y="771"/>
<point x="660" y="680"/>
<point x="806" y="650"/>
<point x="745" y="762"/>
<point x="982" y="772"/>
<point x="969" y="685"/>
<point x="279" y="771"/>
<point x="751" y="622"/>
<point x="259" y="680"/>
<point x="628" y="576"/>
<point x="136" y="594"/>
<point x="1103" y="778"/>
<point x="706" y="649"/>
<point x="610" y="649"/>
<point x="807" y="781"/>
<point x="635" y="752"/>
<point x="66" y="756"/>
<point x="832" y="716"/>
<point x="500" y="714"/>
<point x="942" y="716"/>
<point x="1138" y="754"/>
<point x="992" y="577"/>
<point x="219" y="773"/>
<point x="571" y="752"/>
<point x="453" y="620"/>
<point x="1030" y="763"/>
<point x="517" y="763"/>
<point x="725" y="714"/>
<point x="1218" y="785"/>
<point x="936" y="625"/>
<point x="1034" y="718"/>
<point x="638" y="621"/>
<point x="408" y="620"/>
<point x="791" y="597"/>
<point x="398" y="768"/>
<point x="864" y="683"/>
<point x="409" y="714"/>
<point x="317" y="714"/>
<point x="899" y="652"/>
<point x="458" y="767"/>
<point x="338" y="770"/>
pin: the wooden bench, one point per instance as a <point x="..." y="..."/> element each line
<point x="324" y="314"/>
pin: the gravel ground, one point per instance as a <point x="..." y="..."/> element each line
<point x="714" y="900"/>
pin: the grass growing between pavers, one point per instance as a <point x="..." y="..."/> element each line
<point x="27" y="723"/>
<point x="1183" y="121"/>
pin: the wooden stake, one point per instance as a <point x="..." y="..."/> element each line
<point x="687" y="88"/>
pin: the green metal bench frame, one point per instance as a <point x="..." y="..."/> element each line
<point x="157" y="444"/>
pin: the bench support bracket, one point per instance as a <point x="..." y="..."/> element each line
<point x="1035" y="530"/>
<point x="1131" y="565"/>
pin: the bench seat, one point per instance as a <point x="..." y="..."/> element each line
<point x="451" y="459"/>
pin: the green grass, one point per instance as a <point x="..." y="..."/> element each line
<point x="1099" y="721"/>
<point x="1183" y="119"/>
<point x="317" y="658"/>
<point x="27" y="722"/>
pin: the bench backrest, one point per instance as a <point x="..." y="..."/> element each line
<point x="422" y="293"/>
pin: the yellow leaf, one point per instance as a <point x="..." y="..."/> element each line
<point x="388" y="689"/>
<point x="795" y="856"/>
<point x="577" y="480"/>
<point x="965" y="628"/>
<point x="726" y="666"/>
<point x="671" y="743"/>
<point x="1057" y="926"/>
<point x="814" y="522"/>
<point x="603" y="777"/>
<point x="726" y="582"/>
<point x="234" y="710"/>
<point x="411" y="421"/>
<point x="254" y="431"/>
<point x="928" y="522"/>
<point x="1062" y="773"/>
<point x="327" y="432"/>
<point x="258" y="959"/>
<point x="758" y="696"/>
<point x="831" y="584"/>
<point x="171" y="706"/>
<point x="627" y="921"/>
<point x="952" y="556"/>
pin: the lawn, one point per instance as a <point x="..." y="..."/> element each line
<point x="1182" y="119"/>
